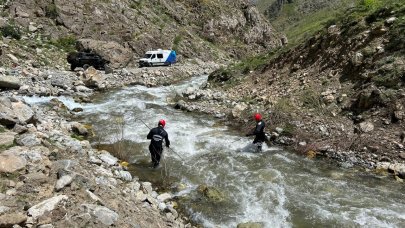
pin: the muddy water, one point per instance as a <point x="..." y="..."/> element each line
<point x="275" y="187"/>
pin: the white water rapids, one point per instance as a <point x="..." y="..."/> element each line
<point x="275" y="187"/>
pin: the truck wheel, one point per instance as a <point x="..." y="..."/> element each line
<point x="85" y="66"/>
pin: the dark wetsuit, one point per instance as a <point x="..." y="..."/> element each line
<point x="156" y="136"/>
<point x="260" y="135"/>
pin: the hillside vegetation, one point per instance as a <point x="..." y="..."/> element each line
<point x="209" y="30"/>
<point x="341" y="92"/>
<point x="299" y="19"/>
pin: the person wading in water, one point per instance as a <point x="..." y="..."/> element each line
<point x="258" y="132"/>
<point x="156" y="136"/>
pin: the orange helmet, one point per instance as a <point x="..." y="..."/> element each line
<point x="162" y="122"/>
<point x="258" y="117"/>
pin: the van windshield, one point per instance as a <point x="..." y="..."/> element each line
<point x="147" y="56"/>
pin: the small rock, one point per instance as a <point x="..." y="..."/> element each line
<point x="103" y="214"/>
<point x="250" y="225"/>
<point x="46" y="206"/>
<point x="94" y="197"/>
<point x="8" y="220"/>
<point x="79" y="129"/>
<point x="390" y="20"/>
<point x="146" y="187"/>
<point x="366" y="127"/>
<point x="63" y="181"/>
<point x="164" y="197"/>
<point x="108" y="158"/>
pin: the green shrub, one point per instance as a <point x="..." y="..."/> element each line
<point x="370" y="4"/>
<point x="67" y="43"/>
<point x="11" y="31"/>
<point x="176" y="42"/>
<point x="51" y="11"/>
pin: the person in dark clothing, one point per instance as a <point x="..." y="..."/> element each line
<point x="258" y="132"/>
<point x="156" y="136"/>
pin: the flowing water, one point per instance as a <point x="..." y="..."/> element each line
<point x="275" y="187"/>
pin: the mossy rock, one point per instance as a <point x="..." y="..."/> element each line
<point x="211" y="193"/>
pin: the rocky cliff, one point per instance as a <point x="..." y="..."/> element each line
<point x="209" y="30"/>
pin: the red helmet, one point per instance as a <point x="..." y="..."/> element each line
<point x="258" y="117"/>
<point x="162" y="122"/>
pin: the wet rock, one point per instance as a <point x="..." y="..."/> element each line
<point x="8" y="220"/>
<point x="211" y="193"/>
<point x="63" y="181"/>
<point x="102" y="214"/>
<point x="46" y="206"/>
<point x="9" y="82"/>
<point x="250" y="225"/>
<point x="164" y="197"/>
<point x="11" y="163"/>
<point x="79" y="129"/>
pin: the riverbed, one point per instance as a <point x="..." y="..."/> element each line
<point x="275" y="187"/>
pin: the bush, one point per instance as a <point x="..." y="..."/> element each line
<point x="51" y="11"/>
<point x="11" y="31"/>
<point x="67" y="43"/>
<point x="370" y="4"/>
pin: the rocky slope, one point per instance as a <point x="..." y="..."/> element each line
<point x="51" y="177"/>
<point x="339" y="95"/>
<point x="208" y="30"/>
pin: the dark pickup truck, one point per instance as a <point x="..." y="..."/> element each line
<point x="85" y="59"/>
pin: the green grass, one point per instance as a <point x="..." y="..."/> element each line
<point x="67" y="43"/>
<point x="11" y="30"/>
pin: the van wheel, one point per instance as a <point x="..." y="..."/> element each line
<point x="151" y="64"/>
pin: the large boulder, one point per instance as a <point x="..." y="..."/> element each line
<point x="9" y="82"/>
<point x="116" y="54"/>
<point x="93" y="78"/>
<point x="23" y="112"/>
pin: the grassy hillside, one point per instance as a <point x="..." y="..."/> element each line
<point x="301" y="18"/>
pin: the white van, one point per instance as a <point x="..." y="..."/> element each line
<point x="158" y="58"/>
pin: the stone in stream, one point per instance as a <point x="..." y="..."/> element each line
<point x="250" y="225"/>
<point x="211" y="193"/>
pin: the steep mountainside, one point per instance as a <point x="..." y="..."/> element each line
<point x="300" y="18"/>
<point x="209" y="30"/>
<point x="341" y="93"/>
